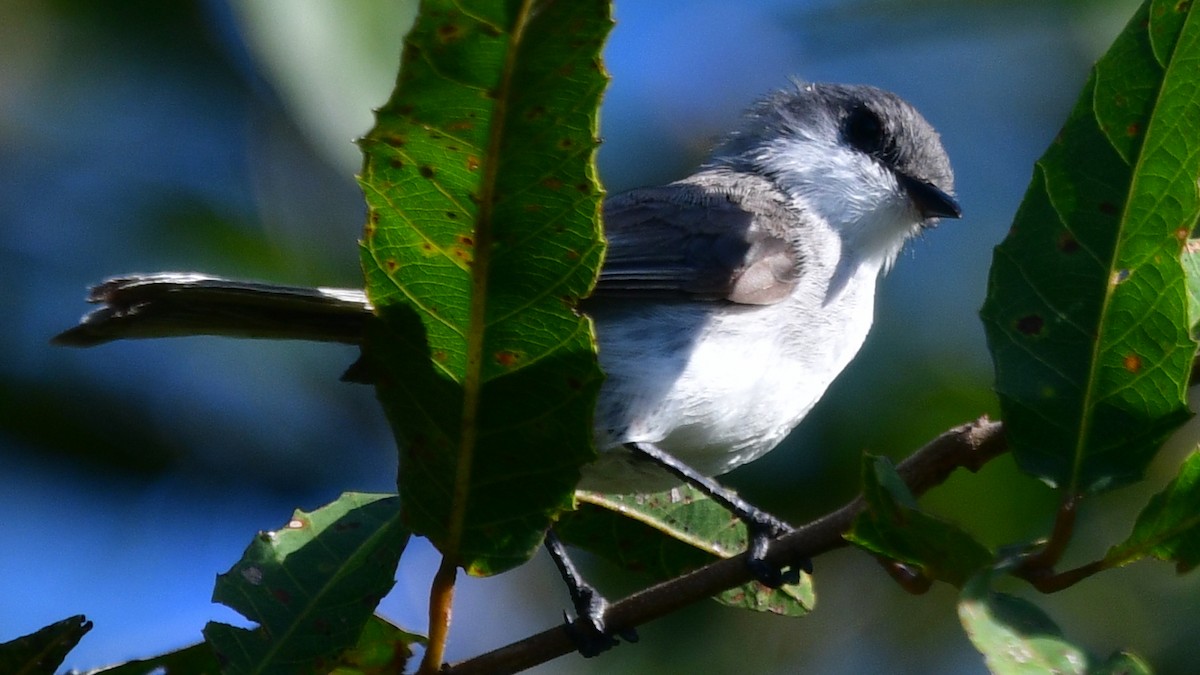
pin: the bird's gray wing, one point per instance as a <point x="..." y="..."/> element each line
<point x="700" y="242"/>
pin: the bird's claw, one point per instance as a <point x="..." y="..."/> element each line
<point x="589" y="633"/>
<point x="762" y="528"/>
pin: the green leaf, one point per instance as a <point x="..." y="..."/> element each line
<point x="1123" y="663"/>
<point x="1169" y="527"/>
<point x="892" y="526"/>
<point x="670" y="533"/>
<point x="1191" y="269"/>
<point x="483" y="232"/>
<point x="1014" y="636"/>
<point x="43" y="651"/>
<point x="197" y="659"/>
<point x="1086" y="314"/>
<point x="382" y="648"/>
<point x="311" y="586"/>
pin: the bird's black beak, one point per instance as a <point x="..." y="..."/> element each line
<point x="931" y="201"/>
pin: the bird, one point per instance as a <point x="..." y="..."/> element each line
<point x="727" y="303"/>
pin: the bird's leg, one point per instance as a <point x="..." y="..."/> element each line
<point x="761" y="526"/>
<point x="589" y="604"/>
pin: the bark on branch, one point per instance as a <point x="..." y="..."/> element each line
<point x="969" y="446"/>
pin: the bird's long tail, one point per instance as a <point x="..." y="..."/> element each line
<point x="178" y="304"/>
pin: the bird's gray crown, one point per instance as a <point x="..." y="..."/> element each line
<point x="875" y="122"/>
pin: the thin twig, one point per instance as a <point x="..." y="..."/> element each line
<point x="969" y="446"/>
<point x="1053" y="582"/>
<point x="1038" y="568"/>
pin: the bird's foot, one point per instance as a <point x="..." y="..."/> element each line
<point x="762" y="527"/>
<point x="589" y="632"/>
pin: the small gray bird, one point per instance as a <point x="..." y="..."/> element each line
<point x="731" y="299"/>
<point x="727" y="303"/>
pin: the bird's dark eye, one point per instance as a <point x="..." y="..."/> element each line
<point x="864" y="130"/>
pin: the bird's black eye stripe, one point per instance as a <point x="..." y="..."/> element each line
<point x="863" y="130"/>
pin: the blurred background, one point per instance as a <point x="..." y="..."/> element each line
<point x="216" y="136"/>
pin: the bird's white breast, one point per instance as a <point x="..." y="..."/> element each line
<point x="718" y="386"/>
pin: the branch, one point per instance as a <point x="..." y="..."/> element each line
<point x="969" y="446"/>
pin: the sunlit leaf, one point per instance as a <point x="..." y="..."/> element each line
<point x="1169" y="527"/>
<point x="1191" y="269"/>
<point x="668" y="533"/>
<point x="483" y="232"/>
<point x="1086" y="314"/>
<point x="311" y="586"/>
<point x="1014" y="636"/>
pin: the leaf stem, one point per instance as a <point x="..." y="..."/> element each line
<point x="1053" y="583"/>
<point x="1038" y="568"/>
<point x="441" y="599"/>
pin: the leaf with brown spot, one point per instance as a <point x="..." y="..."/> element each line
<point x="1090" y="392"/>
<point x="311" y="586"/>
<point x="1030" y="325"/>
<point x="475" y="346"/>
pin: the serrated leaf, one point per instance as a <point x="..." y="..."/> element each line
<point x="43" y="651"/>
<point x="198" y="659"/>
<point x="892" y="526"/>
<point x="669" y="533"/>
<point x="483" y="232"/>
<point x="1014" y="636"/>
<point x="1086" y="314"/>
<point x="1169" y="527"/>
<point x="310" y="586"/>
